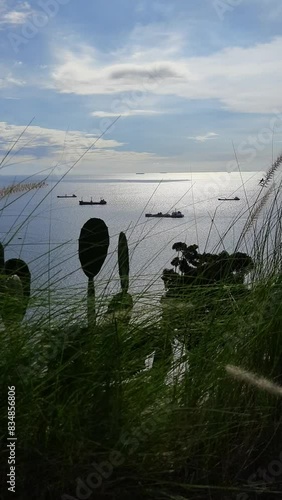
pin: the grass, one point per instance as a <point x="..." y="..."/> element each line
<point x="91" y="422"/>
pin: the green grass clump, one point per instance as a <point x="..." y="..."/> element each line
<point x="181" y="430"/>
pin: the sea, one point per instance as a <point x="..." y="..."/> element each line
<point x="43" y="230"/>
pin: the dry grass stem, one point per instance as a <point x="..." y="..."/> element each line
<point x="252" y="379"/>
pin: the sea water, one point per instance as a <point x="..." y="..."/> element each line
<point x="44" y="230"/>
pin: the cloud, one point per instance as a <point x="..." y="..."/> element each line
<point x="42" y="148"/>
<point x="51" y="147"/>
<point x="244" y="79"/>
<point x="79" y="74"/>
<point x="8" y="80"/>
<point x="11" y="73"/>
<point x="17" y="16"/>
<point x="10" y="98"/>
<point x="64" y="148"/>
<point x="204" y="138"/>
<point x="131" y="112"/>
<point x="55" y="140"/>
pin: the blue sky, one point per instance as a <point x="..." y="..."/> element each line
<point x="192" y="81"/>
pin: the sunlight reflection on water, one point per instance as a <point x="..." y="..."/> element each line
<point x="49" y="228"/>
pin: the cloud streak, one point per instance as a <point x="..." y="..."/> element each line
<point x="9" y="80"/>
<point x="129" y="113"/>
<point x="204" y="138"/>
<point x="131" y="73"/>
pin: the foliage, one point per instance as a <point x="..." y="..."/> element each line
<point x="15" y="289"/>
<point x="203" y="269"/>
<point x="168" y="434"/>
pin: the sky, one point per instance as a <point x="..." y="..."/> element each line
<point x="178" y="86"/>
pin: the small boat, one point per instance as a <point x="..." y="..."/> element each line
<point x="67" y="196"/>
<point x="229" y="199"/>
<point x="140" y="173"/>
<point x="91" y="202"/>
<point x="176" y="214"/>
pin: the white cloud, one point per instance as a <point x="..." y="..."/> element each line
<point x="8" y="80"/>
<point x="80" y="74"/>
<point x="16" y="16"/>
<point x="10" y="98"/>
<point x="204" y="138"/>
<point x="41" y="148"/>
<point x="131" y="112"/>
<point x="242" y="79"/>
<point x="11" y="73"/>
<point x="70" y="142"/>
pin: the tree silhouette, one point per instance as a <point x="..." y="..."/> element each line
<point x="192" y="268"/>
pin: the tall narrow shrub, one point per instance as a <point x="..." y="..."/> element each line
<point x="122" y="303"/>
<point x="93" y="249"/>
<point x="123" y="262"/>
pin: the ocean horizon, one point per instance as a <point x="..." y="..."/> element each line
<point x="43" y="230"/>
